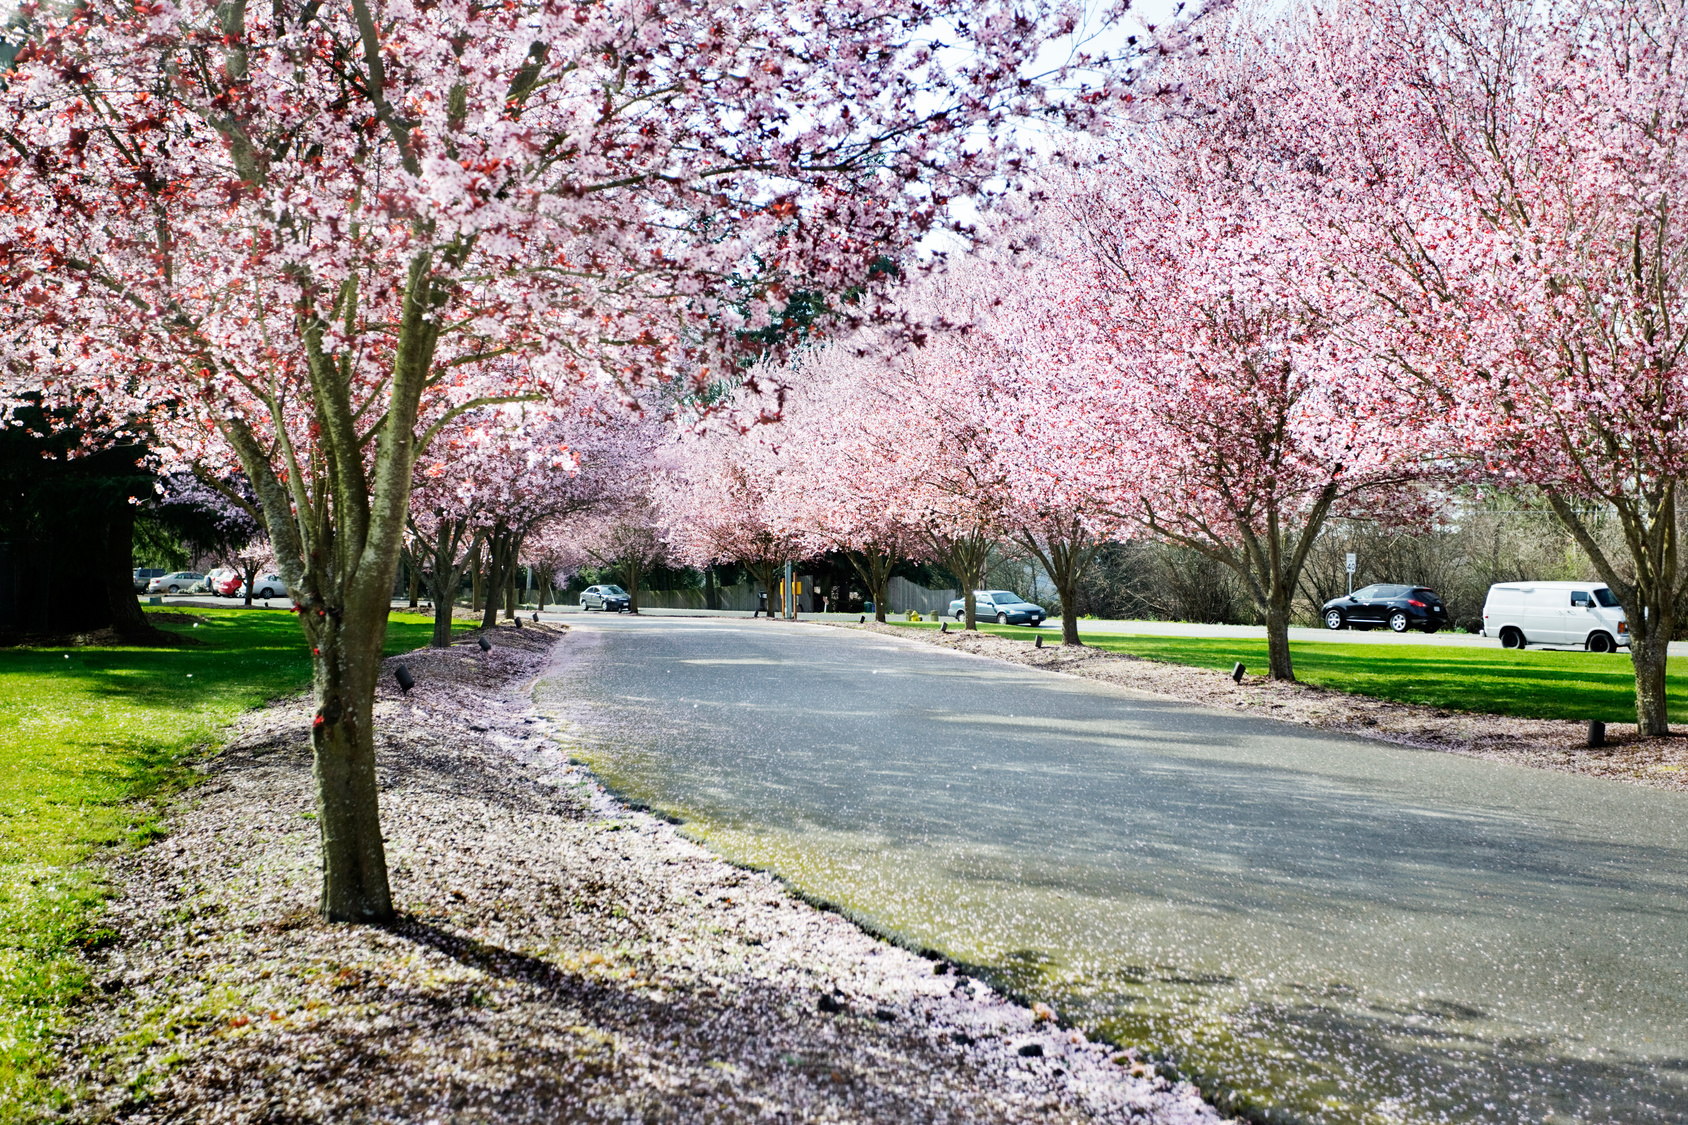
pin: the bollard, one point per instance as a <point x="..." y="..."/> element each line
<point x="1237" y="673"/>
<point x="405" y="679"/>
<point x="1596" y="734"/>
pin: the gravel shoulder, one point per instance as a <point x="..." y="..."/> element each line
<point x="1553" y="744"/>
<point x="560" y="957"/>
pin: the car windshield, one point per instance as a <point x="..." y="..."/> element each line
<point x="1426" y="592"/>
<point x="1606" y="598"/>
<point x="614" y="591"/>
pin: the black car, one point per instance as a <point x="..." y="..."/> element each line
<point x="1399" y="607"/>
<point x="611" y="598"/>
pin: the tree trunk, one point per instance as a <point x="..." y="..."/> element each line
<point x="251" y="575"/>
<point x="711" y="592"/>
<point x="499" y="547"/>
<point x="1067" y="590"/>
<point x="415" y="586"/>
<point x="1066" y="551"/>
<point x="346" y="656"/>
<point x="873" y="566"/>
<point x="966" y="558"/>
<point x="1652" y="706"/>
<point x="475" y="578"/>
<point x="127" y="617"/>
<point x="632" y="566"/>
<point x="444" y="574"/>
<point x="1649" y="600"/>
<point x="1278" y="663"/>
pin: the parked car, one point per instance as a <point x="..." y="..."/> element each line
<point x="1555" y="613"/>
<point x="178" y="582"/>
<point x="1006" y="606"/>
<point x="223" y="581"/>
<point x="606" y="598"/>
<point x="268" y="586"/>
<point x="144" y="576"/>
<point x="1399" y="607"/>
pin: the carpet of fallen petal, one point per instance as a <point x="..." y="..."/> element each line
<point x="559" y="957"/>
<point x="1553" y="744"/>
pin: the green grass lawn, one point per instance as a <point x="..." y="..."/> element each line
<point x="1530" y="683"/>
<point x="85" y="733"/>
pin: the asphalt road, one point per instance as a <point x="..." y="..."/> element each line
<point x="1341" y="930"/>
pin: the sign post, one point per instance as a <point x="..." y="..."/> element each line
<point x="1351" y="562"/>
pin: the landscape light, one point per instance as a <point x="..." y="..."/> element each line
<point x="1237" y="673"/>
<point x="536" y="619"/>
<point x="1596" y="734"/>
<point x="944" y="627"/>
<point x="1040" y="640"/>
<point x="863" y="621"/>
<point x="486" y="645"/>
<point x="405" y="679"/>
<point x="517" y="621"/>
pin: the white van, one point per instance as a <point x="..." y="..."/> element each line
<point x="1586" y="614"/>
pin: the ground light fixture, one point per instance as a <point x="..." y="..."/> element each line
<point x="944" y="627"/>
<point x="405" y="679"/>
<point x="486" y="645"/>
<point x="1596" y="733"/>
<point x="536" y="619"/>
<point x="1237" y="673"/>
<point x="863" y="621"/>
<point x="1039" y="641"/>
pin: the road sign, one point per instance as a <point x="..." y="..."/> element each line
<point x="1351" y="562"/>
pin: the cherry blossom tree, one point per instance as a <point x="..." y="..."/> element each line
<point x="839" y="491"/>
<point x="1194" y="368"/>
<point x="1532" y="264"/>
<point x="722" y="492"/>
<point x="302" y="240"/>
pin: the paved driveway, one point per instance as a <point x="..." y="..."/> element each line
<point x="1344" y="930"/>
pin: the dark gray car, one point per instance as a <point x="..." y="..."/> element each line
<point x="1007" y="607"/>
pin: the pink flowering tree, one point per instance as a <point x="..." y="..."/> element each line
<point x="838" y="489"/>
<point x="1532" y="266"/>
<point x="724" y="492"/>
<point x="304" y="239"/>
<point x="1194" y="367"/>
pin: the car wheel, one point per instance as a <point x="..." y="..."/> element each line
<point x="1601" y="642"/>
<point x="583" y="606"/>
<point x="1398" y="622"/>
<point x="1333" y="619"/>
<point x="1511" y="638"/>
<point x="174" y="590"/>
<point x="961" y="615"/>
